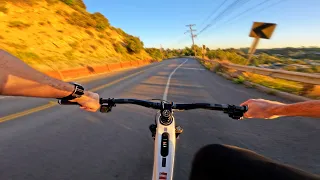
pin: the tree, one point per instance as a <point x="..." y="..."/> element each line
<point x="154" y="53"/>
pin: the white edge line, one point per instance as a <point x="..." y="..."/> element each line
<point x="165" y="94"/>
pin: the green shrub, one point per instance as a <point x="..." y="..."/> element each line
<point x="68" y="2"/>
<point x="101" y="22"/>
<point x="26" y="55"/>
<point x="41" y="23"/>
<point x="50" y="2"/>
<point x="133" y="44"/>
<point x="315" y="68"/>
<point x="101" y="36"/>
<point x="239" y="80"/>
<point x="119" y="48"/>
<point x="69" y="55"/>
<point x="291" y="68"/>
<point x="80" y="9"/>
<point x="154" y="53"/>
<point x="3" y="9"/>
<point x="108" y="33"/>
<point x="89" y="32"/>
<point x="306" y="70"/>
<point x="59" y="12"/>
<point x="62" y="13"/>
<point x="79" y="3"/>
<point x="301" y="62"/>
<point x="271" y="92"/>
<point x="101" y="27"/>
<point x="18" y="24"/>
<point x="17" y="46"/>
<point x="120" y="31"/>
<point x="81" y="20"/>
<point x="74" y="45"/>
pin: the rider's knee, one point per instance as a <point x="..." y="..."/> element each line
<point x="212" y="152"/>
<point x="213" y="149"/>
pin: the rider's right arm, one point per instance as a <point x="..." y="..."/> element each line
<point x="306" y="109"/>
<point x="265" y="109"/>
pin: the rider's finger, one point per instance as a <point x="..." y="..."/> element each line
<point x="90" y="110"/>
<point x="246" y="115"/>
<point x="246" y="103"/>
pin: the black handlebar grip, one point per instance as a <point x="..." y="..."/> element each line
<point x="66" y="102"/>
<point x="245" y="108"/>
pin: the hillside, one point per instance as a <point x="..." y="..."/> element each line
<point x="61" y="34"/>
<point x="311" y="53"/>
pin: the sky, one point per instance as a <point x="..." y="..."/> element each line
<point x="163" y="22"/>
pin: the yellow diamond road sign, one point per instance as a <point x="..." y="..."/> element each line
<point x="262" y="30"/>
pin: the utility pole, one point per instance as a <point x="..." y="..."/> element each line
<point x="192" y="35"/>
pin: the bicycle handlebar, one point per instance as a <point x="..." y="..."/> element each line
<point x="235" y="112"/>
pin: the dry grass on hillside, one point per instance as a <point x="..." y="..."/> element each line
<point x="45" y="36"/>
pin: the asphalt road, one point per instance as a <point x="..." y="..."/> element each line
<point x="64" y="142"/>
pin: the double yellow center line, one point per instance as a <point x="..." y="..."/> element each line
<point x="52" y="103"/>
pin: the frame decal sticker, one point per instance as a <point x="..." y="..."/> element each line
<point x="162" y="176"/>
<point x="164" y="162"/>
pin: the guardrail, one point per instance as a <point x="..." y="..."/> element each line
<point x="310" y="82"/>
<point x="313" y="79"/>
<point x="282" y="74"/>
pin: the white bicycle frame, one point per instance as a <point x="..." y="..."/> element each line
<point x="163" y="165"/>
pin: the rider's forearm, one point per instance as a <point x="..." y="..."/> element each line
<point x="19" y="79"/>
<point x="306" y="109"/>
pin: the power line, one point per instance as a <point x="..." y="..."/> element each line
<point x="252" y="8"/>
<point x="221" y="13"/>
<point x="229" y="8"/>
<point x="239" y="3"/>
<point x="278" y="2"/>
<point x="214" y="11"/>
<point x="238" y="15"/>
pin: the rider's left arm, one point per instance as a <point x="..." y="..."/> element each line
<point x="19" y="79"/>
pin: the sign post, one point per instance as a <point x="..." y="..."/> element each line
<point x="259" y="30"/>
<point x="253" y="48"/>
<point x="203" y="51"/>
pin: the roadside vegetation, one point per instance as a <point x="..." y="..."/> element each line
<point x="308" y="59"/>
<point x="273" y="83"/>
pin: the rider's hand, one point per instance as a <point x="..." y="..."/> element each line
<point x="260" y="108"/>
<point x="89" y="101"/>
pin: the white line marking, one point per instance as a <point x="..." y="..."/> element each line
<point x="4" y="97"/>
<point x="165" y="94"/>
<point x="200" y="69"/>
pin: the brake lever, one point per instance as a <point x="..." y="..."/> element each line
<point x="106" y="108"/>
